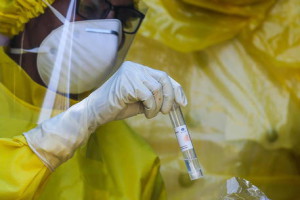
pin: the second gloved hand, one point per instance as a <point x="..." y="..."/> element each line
<point x="133" y="89"/>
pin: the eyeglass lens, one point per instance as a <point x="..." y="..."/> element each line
<point x="99" y="9"/>
<point x="93" y="9"/>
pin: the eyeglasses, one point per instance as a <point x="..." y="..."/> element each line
<point x="98" y="9"/>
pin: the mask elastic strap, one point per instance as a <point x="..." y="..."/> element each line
<point x="23" y="51"/>
<point x="56" y="13"/>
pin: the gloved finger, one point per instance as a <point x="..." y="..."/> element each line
<point x="180" y="97"/>
<point x="167" y="88"/>
<point x="131" y="109"/>
<point x="145" y="95"/>
<point x="156" y="89"/>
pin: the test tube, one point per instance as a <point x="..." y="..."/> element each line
<point x="185" y="143"/>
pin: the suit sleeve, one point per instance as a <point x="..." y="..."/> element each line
<point x="22" y="173"/>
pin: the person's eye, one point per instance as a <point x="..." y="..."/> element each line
<point x="88" y="9"/>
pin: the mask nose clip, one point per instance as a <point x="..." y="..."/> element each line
<point x="104" y="31"/>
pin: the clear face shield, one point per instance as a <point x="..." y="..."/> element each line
<point x="63" y="55"/>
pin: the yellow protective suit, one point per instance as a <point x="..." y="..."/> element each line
<point x="22" y="173"/>
<point x="242" y="84"/>
<point x="14" y="14"/>
<point x="115" y="164"/>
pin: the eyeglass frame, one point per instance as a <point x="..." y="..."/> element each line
<point x="115" y="8"/>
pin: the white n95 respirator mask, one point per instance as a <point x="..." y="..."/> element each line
<point x="77" y="56"/>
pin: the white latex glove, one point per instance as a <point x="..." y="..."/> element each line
<point x="133" y="89"/>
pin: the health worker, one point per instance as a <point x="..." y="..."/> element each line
<point x="62" y="81"/>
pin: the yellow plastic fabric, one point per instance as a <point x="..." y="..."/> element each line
<point x="276" y="42"/>
<point x="189" y="25"/>
<point x="15" y="13"/>
<point x="244" y="102"/>
<point x="115" y="164"/>
<point x="22" y="173"/>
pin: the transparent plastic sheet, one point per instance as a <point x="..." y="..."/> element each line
<point x="94" y="172"/>
<point x="237" y="189"/>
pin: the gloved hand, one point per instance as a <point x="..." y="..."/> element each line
<point x="133" y="89"/>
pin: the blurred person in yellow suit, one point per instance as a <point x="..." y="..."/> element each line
<point x="238" y="62"/>
<point x="69" y="51"/>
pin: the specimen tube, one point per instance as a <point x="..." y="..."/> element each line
<point x="185" y="143"/>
